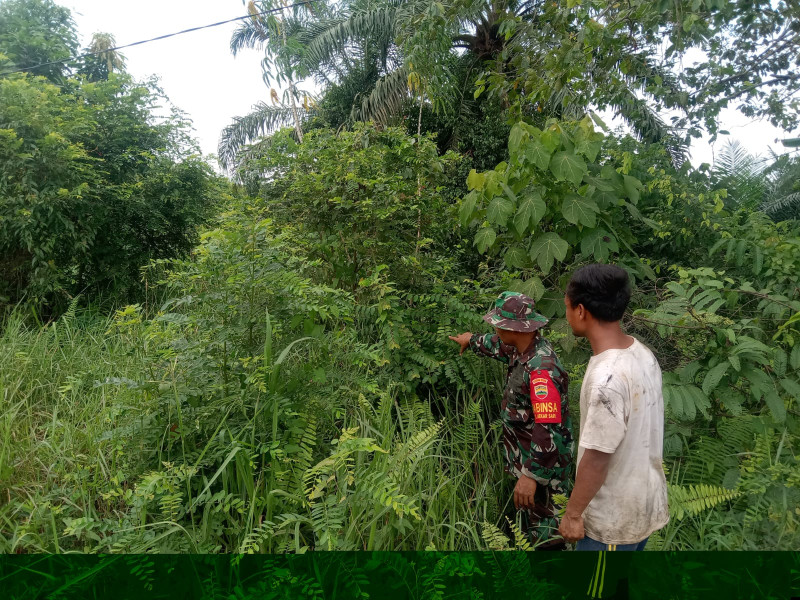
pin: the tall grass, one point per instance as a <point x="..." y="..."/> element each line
<point x="96" y="457"/>
<point x="54" y="459"/>
<point x="113" y="438"/>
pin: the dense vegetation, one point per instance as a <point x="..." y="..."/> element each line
<point x="275" y="374"/>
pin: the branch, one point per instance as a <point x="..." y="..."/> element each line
<point x="638" y="318"/>
<point x="773" y="81"/>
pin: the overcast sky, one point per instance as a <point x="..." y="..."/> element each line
<point x="201" y="76"/>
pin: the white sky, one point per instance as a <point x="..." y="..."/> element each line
<point x="201" y="76"/>
<point x="197" y="70"/>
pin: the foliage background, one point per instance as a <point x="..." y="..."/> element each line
<point x="200" y="365"/>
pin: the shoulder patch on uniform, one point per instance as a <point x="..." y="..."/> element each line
<point x="545" y="398"/>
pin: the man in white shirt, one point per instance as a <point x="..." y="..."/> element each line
<point x="620" y="492"/>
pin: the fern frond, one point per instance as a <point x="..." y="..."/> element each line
<point x="252" y="541"/>
<point x="410" y="451"/>
<point x="468" y="433"/>
<point x="303" y="459"/>
<point x="737" y="434"/>
<point x="694" y="499"/>
<point x="520" y="539"/>
<point x="494" y="538"/>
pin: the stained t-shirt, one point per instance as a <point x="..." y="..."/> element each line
<point x="622" y="412"/>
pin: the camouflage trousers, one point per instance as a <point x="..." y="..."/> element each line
<point x="540" y="523"/>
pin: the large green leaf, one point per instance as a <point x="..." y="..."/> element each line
<point x="551" y="305"/>
<point x="701" y="401"/>
<point x="598" y="243"/>
<point x="546" y="249"/>
<point x="714" y="376"/>
<point x="516" y="257"/>
<point x="565" y="165"/>
<point x="632" y="187"/>
<point x="792" y="387"/>
<point x="689" y="408"/>
<point x="794" y="357"/>
<point x="600" y="183"/>
<point x="551" y="138"/>
<point x="579" y="210"/>
<point x="532" y="287"/>
<point x="515" y="138"/>
<point x="609" y="173"/>
<point x="485" y="238"/>
<point x="605" y="198"/>
<point x="499" y="210"/>
<point x="467" y="208"/>
<point x="475" y="180"/>
<point x="589" y="148"/>
<point x="775" y="405"/>
<point x="779" y="362"/>
<point x="530" y="211"/>
<point x="672" y="403"/>
<point x="537" y="153"/>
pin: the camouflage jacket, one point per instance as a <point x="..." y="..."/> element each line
<point x="542" y="451"/>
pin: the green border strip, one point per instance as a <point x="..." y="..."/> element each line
<point x="405" y="575"/>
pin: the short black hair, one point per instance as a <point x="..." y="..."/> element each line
<point x="604" y="290"/>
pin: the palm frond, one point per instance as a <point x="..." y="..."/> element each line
<point x="741" y="173"/>
<point x="385" y="100"/>
<point x="647" y="124"/>
<point x="263" y="120"/>
<point x="324" y="39"/>
<point x="782" y="197"/>
<point x="735" y="160"/>
<point x="783" y="208"/>
<point x="249" y="34"/>
<point x="333" y="35"/>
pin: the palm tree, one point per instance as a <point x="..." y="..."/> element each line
<point x="754" y="183"/>
<point x="741" y="174"/>
<point x="443" y="63"/>
<point x="271" y="30"/>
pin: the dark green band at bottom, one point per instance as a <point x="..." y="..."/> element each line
<point x="411" y="575"/>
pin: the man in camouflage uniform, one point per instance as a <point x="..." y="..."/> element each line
<point x="537" y="438"/>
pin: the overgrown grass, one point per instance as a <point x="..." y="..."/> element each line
<point x="94" y="456"/>
<point x="79" y="472"/>
<point x="55" y="458"/>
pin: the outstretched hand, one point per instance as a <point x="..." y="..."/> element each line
<point x="462" y="340"/>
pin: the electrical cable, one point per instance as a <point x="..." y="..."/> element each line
<point x="161" y="37"/>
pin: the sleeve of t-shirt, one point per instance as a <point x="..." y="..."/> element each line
<point x="604" y="427"/>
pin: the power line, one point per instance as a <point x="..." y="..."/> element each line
<point x="155" y="39"/>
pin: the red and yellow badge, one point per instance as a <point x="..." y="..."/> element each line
<point x="545" y="399"/>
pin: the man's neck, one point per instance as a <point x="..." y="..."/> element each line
<point x="527" y="345"/>
<point x="608" y="336"/>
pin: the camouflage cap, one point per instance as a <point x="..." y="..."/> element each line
<point x="514" y="311"/>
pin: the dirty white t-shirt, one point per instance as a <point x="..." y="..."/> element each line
<point x="622" y="412"/>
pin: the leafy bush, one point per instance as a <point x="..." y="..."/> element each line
<point x="92" y="188"/>
<point x="717" y="299"/>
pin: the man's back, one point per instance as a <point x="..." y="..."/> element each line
<point x="622" y="412"/>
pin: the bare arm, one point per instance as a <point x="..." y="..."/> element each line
<point x="592" y="472"/>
